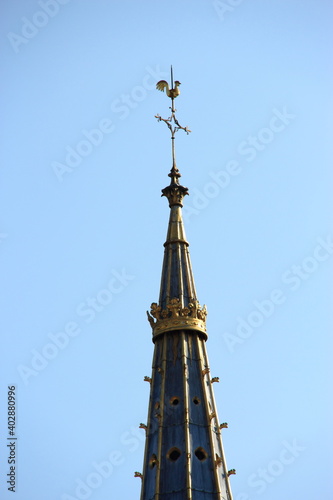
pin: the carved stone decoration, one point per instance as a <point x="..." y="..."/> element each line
<point x="175" y="194"/>
<point x="155" y="310"/>
<point x="174" y="307"/>
<point x="218" y="460"/>
<point x="143" y="426"/>
<point x="192" y="317"/>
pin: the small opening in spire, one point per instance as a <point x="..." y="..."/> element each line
<point x="173" y="454"/>
<point x="196" y="400"/>
<point x="153" y="461"/>
<point x="201" y="454"/>
<point x="174" y="401"/>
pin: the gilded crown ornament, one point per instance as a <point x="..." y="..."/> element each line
<point x="192" y="317"/>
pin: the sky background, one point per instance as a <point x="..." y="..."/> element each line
<point x="82" y="223"/>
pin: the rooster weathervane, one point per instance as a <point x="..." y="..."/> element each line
<point x="172" y="92"/>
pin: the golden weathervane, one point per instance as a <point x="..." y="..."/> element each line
<point x="172" y="92"/>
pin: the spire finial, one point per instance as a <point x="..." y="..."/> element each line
<point x="172" y="92"/>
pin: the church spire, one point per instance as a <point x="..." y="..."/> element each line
<point x="184" y="457"/>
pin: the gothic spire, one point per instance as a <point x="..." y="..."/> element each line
<point x="184" y="457"/>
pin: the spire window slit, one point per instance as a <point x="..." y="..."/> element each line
<point x="173" y="454"/>
<point x="201" y="454"/>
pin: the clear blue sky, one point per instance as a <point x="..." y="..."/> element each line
<point x="82" y="229"/>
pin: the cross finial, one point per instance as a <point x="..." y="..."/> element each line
<point x="172" y="92"/>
